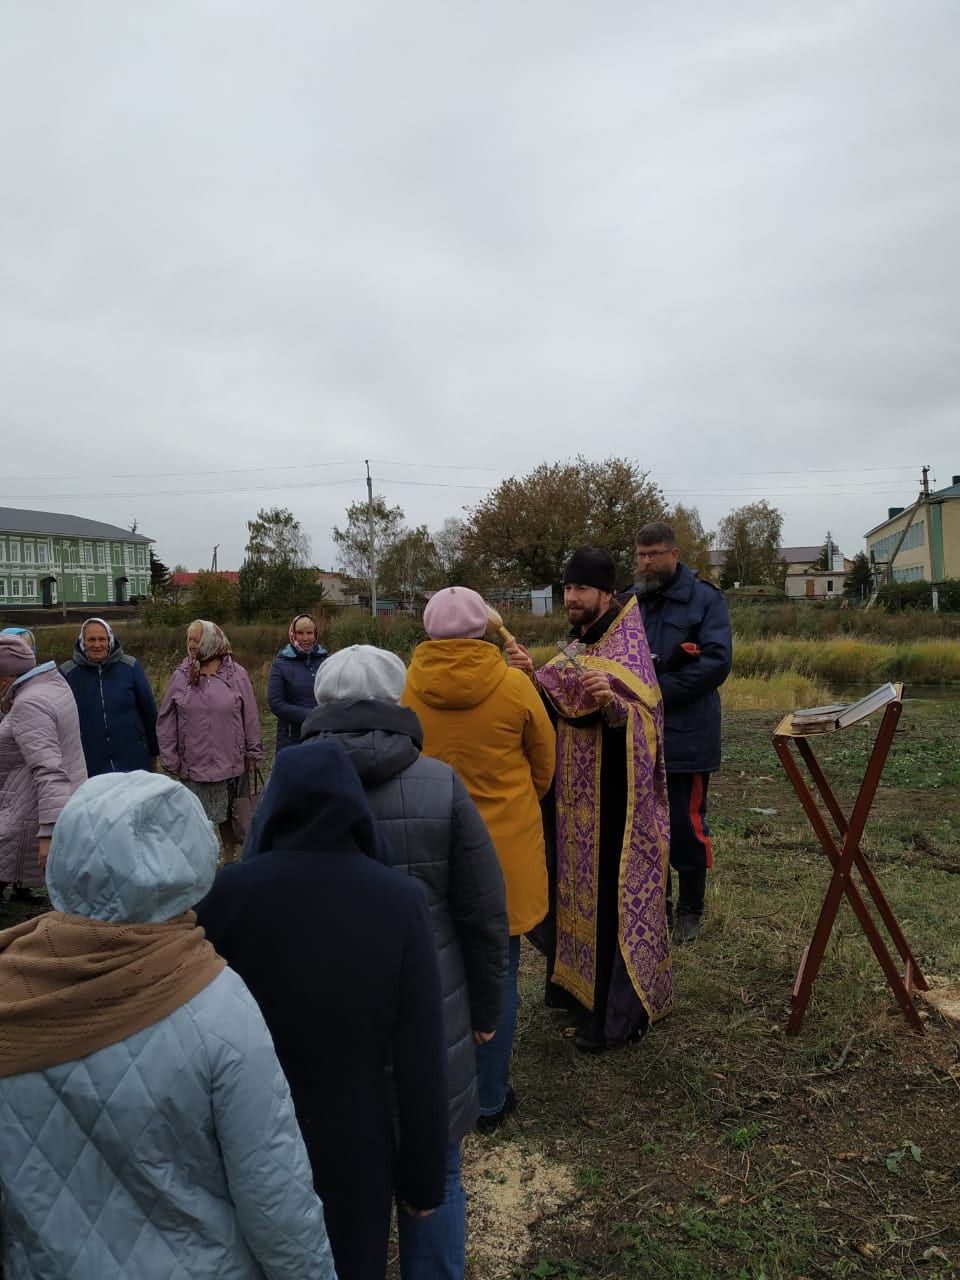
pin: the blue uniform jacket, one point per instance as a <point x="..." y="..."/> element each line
<point x="117" y="711"/>
<point x="688" y="610"/>
<point x="290" y="690"/>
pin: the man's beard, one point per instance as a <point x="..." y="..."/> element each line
<point x="580" y="616"/>
<point x="652" y="580"/>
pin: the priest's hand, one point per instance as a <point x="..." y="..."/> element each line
<point x="517" y="656"/>
<point x="597" y="685"/>
<point x="483" y="1037"/>
<point x="43" y="848"/>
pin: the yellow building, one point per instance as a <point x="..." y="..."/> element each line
<point x="931" y="550"/>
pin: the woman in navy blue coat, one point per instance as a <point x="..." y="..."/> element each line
<point x="290" y="687"/>
<point x="116" y="706"/>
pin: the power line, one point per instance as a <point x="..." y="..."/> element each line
<point x="431" y="466"/>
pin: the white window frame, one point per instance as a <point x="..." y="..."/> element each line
<point x="14" y="551"/>
<point x="141" y="560"/>
<point x="30" y="588"/>
<point x="43" y="552"/>
<point x="91" y="585"/>
<point x="101" y="555"/>
<point x="28" y="553"/>
<point x="16" y="588"/>
<point x="3" y="588"/>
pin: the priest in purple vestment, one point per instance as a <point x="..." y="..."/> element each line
<point x="611" y="949"/>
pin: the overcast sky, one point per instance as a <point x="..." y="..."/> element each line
<point x="242" y="242"/>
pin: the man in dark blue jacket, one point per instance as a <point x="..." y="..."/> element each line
<point x="688" y="629"/>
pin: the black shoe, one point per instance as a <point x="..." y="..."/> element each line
<point x="687" y="928"/>
<point x="23" y="894"/>
<point x="590" y="1037"/>
<point x="490" y="1124"/>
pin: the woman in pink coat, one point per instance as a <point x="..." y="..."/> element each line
<point x="41" y="761"/>
<point x="208" y="729"/>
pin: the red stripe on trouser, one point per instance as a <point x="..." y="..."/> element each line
<point x="696" y="820"/>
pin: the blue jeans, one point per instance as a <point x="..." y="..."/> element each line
<point x="493" y="1058"/>
<point x="435" y="1248"/>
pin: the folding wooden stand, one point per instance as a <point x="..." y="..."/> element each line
<point x="843" y="858"/>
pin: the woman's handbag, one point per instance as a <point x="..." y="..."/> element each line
<point x="245" y="805"/>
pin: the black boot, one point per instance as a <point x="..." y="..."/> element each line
<point x="590" y="1037"/>
<point x="692" y="887"/>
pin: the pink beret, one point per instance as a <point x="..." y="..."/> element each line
<point x="456" y="613"/>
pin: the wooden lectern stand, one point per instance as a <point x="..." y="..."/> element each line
<point x="843" y="857"/>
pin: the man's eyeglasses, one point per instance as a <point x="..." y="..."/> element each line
<point x="654" y="554"/>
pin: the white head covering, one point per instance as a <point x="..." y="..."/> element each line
<point x="82" y="644"/>
<point x="360" y="672"/>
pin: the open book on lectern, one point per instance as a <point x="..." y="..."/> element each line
<point x="840" y="715"/>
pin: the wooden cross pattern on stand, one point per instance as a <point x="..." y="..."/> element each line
<point x="843" y="857"/>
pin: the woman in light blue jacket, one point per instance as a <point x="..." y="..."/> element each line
<point x="147" y="1127"/>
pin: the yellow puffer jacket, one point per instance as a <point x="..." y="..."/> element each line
<point x="487" y="721"/>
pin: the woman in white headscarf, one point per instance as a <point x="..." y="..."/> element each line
<point x="208" y="729"/>
<point x="117" y="710"/>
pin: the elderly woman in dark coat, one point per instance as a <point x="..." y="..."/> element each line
<point x="435" y="835"/>
<point x="290" y="687"/>
<point x="116" y="706"/>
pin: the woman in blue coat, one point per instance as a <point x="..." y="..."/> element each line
<point x="116" y="706"/>
<point x="290" y="687"/>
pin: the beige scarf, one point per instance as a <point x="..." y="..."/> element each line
<point x="70" y="986"/>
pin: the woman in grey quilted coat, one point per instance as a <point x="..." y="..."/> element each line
<point x="41" y="761"/>
<point x="433" y="833"/>
<point x="148" y="1130"/>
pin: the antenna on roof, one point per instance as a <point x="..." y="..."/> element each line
<point x="213" y="562"/>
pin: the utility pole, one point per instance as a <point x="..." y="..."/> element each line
<point x="934" y="593"/>
<point x="371" y="545"/>
<point x="213" y="562"/>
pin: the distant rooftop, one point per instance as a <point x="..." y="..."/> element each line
<point x="952" y="490"/>
<point x="792" y="555"/>
<point x="13" y="520"/>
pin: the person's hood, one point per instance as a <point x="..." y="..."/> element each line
<point x="44" y="669"/>
<point x="453" y="675"/>
<point x="289" y="651"/>
<point x="314" y="802"/>
<point x="80" y="659"/>
<point x="131" y="847"/>
<point x="381" y="738"/>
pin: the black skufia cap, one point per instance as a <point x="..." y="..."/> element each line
<point x="592" y="567"/>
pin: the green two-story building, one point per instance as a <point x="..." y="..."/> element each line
<point x="48" y="559"/>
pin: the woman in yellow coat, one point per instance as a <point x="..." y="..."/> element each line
<point x="487" y="721"/>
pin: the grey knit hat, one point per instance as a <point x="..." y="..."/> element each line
<point x="359" y="672"/>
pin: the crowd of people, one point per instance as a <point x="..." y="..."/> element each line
<point x="239" y="1073"/>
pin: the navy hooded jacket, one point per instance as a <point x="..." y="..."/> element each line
<point x="290" y="690"/>
<point x="338" y="952"/>
<point x="117" y="711"/>
<point x="688" y="610"/>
